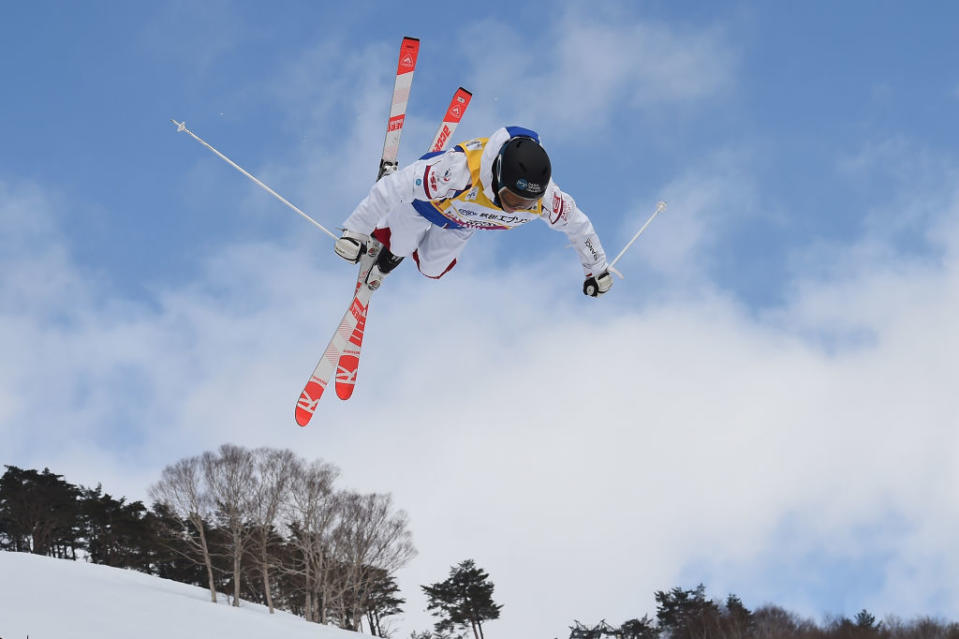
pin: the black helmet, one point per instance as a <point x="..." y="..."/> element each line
<point x="522" y="166"/>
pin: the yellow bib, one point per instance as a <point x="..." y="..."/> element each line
<point x="471" y="208"/>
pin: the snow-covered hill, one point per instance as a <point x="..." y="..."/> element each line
<point x="46" y="598"/>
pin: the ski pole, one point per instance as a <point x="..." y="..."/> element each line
<point x="659" y="209"/>
<point x="181" y="127"/>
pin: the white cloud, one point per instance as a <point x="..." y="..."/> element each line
<point x="596" y="65"/>
<point x="706" y="206"/>
<point x="338" y="126"/>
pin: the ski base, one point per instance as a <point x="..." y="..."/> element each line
<point x="342" y="356"/>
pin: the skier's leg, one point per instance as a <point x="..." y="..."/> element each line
<point x="402" y="231"/>
<point x="396" y="238"/>
<point x="438" y="250"/>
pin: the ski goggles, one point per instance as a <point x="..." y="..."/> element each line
<point x="515" y="202"/>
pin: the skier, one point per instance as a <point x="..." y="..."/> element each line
<point x="432" y="207"/>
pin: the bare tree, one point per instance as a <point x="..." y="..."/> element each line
<point x="182" y="489"/>
<point x="281" y="513"/>
<point x="371" y="540"/>
<point x="273" y="476"/>
<point x="230" y="476"/>
<point x="311" y="513"/>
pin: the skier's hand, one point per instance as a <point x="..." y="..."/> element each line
<point x="351" y="246"/>
<point x="596" y="285"/>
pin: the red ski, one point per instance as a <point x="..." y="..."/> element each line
<point x="351" y="326"/>
<point x="409" y="51"/>
<point x="349" y="362"/>
<point x="342" y="355"/>
<point x="349" y="332"/>
<point x="461" y="100"/>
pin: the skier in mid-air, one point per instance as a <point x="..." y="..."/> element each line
<point x="432" y="207"/>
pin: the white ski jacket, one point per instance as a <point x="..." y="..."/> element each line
<point x="453" y="189"/>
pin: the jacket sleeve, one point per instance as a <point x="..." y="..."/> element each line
<point x="434" y="178"/>
<point x="561" y="213"/>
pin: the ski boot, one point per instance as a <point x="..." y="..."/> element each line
<point x="375" y="264"/>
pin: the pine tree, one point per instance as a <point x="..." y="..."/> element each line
<point x="685" y="614"/>
<point x="737" y="619"/>
<point x="464" y="600"/>
<point x="866" y="621"/>
<point x="639" y="629"/>
<point x="117" y="533"/>
<point x="383" y="601"/>
<point x="39" y="513"/>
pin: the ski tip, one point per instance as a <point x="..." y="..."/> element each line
<point x="301" y="415"/>
<point x="346" y="377"/>
<point x="309" y="398"/>
<point x="409" y="52"/>
<point x="405" y="38"/>
<point x="466" y="91"/>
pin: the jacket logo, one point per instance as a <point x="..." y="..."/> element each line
<point x="559" y="209"/>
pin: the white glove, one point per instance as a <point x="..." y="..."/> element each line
<point x="596" y="285"/>
<point x="351" y="246"/>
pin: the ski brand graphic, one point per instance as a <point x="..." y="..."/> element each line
<point x="309" y="398"/>
<point x="348" y="363"/>
<point x="454" y="113"/>
<point x="358" y="309"/>
<point x="409" y="50"/>
<point x="341" y="358"/>
<point x="346" y="374"/>
<point x="444" y="136"/>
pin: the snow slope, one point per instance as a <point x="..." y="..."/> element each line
<point x="46" y="598"/>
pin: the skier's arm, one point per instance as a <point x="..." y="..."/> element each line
<point x="561" y="213"/>
<point x="389" y="192"/>
<point x="432" y="179"/>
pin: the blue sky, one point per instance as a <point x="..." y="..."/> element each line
<point x="797" y="89"/>
<point x="780" y="356"/>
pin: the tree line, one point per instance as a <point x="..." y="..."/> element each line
<point x="262" y="525"/>
<point x="690" y="614"/>
<point x="267" y="526"/>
